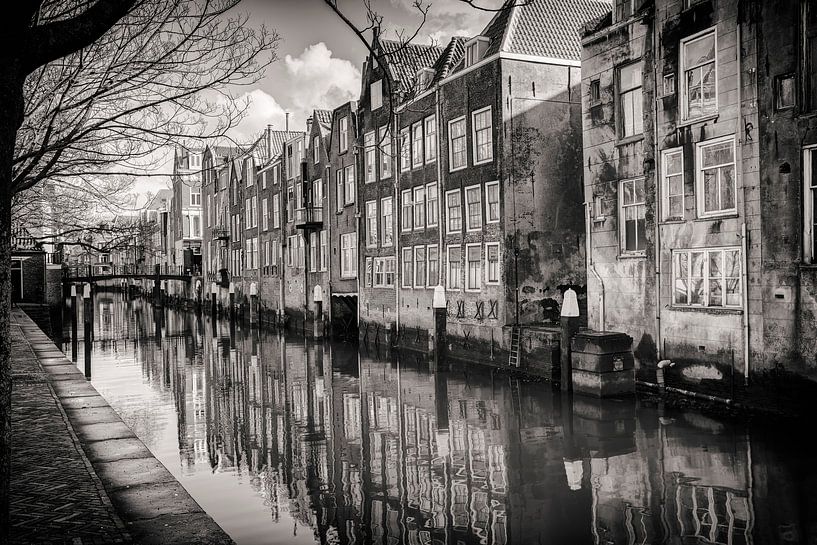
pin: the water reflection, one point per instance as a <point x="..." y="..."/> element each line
<point x="286" y="441"/>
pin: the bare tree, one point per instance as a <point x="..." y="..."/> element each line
<point x="91" y="89"/>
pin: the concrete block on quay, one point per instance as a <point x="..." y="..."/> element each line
<point x="612" y="384"/>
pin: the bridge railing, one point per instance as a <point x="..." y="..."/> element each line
<point x="109" y="269"/>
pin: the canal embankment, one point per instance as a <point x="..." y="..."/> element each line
<point x="79" y="474"/>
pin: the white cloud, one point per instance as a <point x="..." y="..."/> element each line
<point x="261" y="110"/>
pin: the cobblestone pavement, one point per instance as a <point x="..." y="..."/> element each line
<point x="55" y="495"/>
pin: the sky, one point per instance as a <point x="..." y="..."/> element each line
<point x="319" y="59"/>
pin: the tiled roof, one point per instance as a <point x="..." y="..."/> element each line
<point x="277" y="139"/>
<point x="405" y="59"/>
<point x="449" y="58"/>
<point x="496" y="28"/>
<point x="324" y="120"/>
<point x="551" y="28"/>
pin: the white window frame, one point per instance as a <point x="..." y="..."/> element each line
<point x="371" y="217"/>
<point x="349" y="188"/>
<point x="264" y="214"/>
<point x="369" y="157"/>
<point x="419" y="207"/>
<point x="699" y="179"/>
<point x="376" y="95"/>
<point x="368" y="275"/>
<point x="448" y="228"/>
<point x="637" y="120"/>
<point x="385" y="146"/>
<point x="451" y="167"/>
<point x="313" y="251"/>
<point x="490" y="130"/>
<point x="472" y="188"/>
<point x="417" y="145"/>
<point x="665" y="185"/>
<point x="432" y="203"/>
<point x="488" y="280"/>
<point x="706" y="277"/>
<point x="348" y="263"/>
<point x="406" y="217"/>
<point x="683" y="73"/>
<point x="809" y="213"/>
<point x="417" y="250"/>
<point x="488" y="218"/>
<point x="468" y="288"/>
<point x="428" y="265"/>
<point x="324" y="241"/>
<point x="195" y="197"/>
<point x="407" y="277"/>
<point x="340" y="182"/>
<point x="622" y="230"/>
<point x="430" y="139"/>
<point x="316" y="149"/>
<point x="448" y="275"/>
<point x="276" y="211"/>
<point x="387" y="221"/>
<point x="404" y="143"/>
<point x="343" y="134"/>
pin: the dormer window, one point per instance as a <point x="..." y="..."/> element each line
<point x="424" y="78"/>
<point x="475" y="49"/>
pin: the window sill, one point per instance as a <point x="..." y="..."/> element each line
<point x="633" y="255"/>
<point x="457" y="169"/>
<point x="715" y="217"/>
<point x="629" y="140"/>
<point x="707" y="310"/>
<point x="695" y="121"/>
<point x="673" y="220"/>
<point x="484" y="162"/>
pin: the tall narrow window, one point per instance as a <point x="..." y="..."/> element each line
<point x="391" y="271"/>
<point x="632" y="216"/>
<point x="339" y="183"/>
<point x="371" y="224"/>
<point x="317" y="193"/>
<point x="457" y="153"/>
<point x="276" y="211"/>
<point x="368" y="278"/>
<point x="387" y="221"/>
<point x="483" y="136"/>
<point x="700" y="75"/>
<point x="473" y="256"/>
<point x="313" y="251"/>
<point x="432" y="210"/>
<point x="430" y="138"/>
<point x="419" y="266"/>
<point x="348" y="255"/>
<point x="492" y="263"/>
<point x="419" y="207"/>
<point x="343" y="134"/>
<point x="433" y="267"/>
<point x="370" y="156"/>
<point x="316" y="149"/>
<point x="631" y="104"/>
<point x="715" y="183"/>
<point x="407" y="268"/>
<point x="406" y="210"/>
<point x="453" y="205"/>
<point x="454" y="267"/>
<point x="707" y="277"/>
<point x="810" y="204"/>
<point x="673" y="187"/>
<point x="417" y="144"/>
<point x="384" y="141"/>
<point x="324" y="250"/>
<point x="379" y="272"/>
<point x="349" y="190"/>
<point x="376" y="93"/>
<point x="473" y="201"/>
<point x="492" y="202"/>
<point x="264" y="214"/>
<point x="405" y="150"/>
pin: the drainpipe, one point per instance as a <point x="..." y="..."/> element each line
<point x="657" y="182"/>
<point x="743" y="231"/>
<point x="591" y="266"/>
<point x="440" y="190"/>
<point x="396" y="205"/>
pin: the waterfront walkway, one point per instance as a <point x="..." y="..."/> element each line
<point x="79" y="475"/>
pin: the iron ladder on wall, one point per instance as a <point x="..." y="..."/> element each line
<point x="516" y="341"/>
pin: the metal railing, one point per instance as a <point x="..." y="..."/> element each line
<point x="311" y="214"/>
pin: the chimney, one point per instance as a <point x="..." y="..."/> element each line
<point x="269" y="141"/>
<point x="308" y="124"/>
<point x="287" y="125"/>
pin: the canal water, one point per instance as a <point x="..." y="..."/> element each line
<point x="283" y="440"/>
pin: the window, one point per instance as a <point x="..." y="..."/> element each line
<point x="348" y="256"/>
<point x="247" y="214"/>
<point x="370" y="156"/>
<point x="339" y="192"/>
<point x="316" y="149"/>
<point x="673" y="186"/>
<point x="343" y="134"/>
<point x="456" y="144"/>
<point x="405" y="150"/>
<point x="473" y="203"/>
<point x="473" y="265"/>
<point x="631" y="104"/>
<point x="809" y="202"/>
<point x="290" y="203"/>
<point x="595" y="92"/>
<point x="249" y="174"/>
<point x="430" y="138"/>
<point x="417" y="144"/>
<point x="707" y="277"/>
<point x="453" y="204"/>
<point x="195" y="197"/>
<point x="716" y="176"/>
<point x="371" y="224"/>
<point x="420" y="267"/>
<point x="276" y="174"/>
<point x="454" y="271"/>
<point x="700" y="75"/>
<point x="313" y="251"/>
<point x="252" y="253"/>
<point x="433" y="266"/>
<point x="384" y="141"/>
<point x="408" y="261"/>
<point x="276" y="211"/>
<point x="492" y="202"/>
<point x="475" y="49"/>
<point x="384" y="269"/>
<point x="317" y="193"/>
<point x="785" y="92"/>
<point x="367" y="279"/>
<point x="631" y="216"/>
<point x="264" y="214"/>
<point x="483" y="136"/>
<point x="432" y="210"/>
<point x="301" y="253"/>
<point x="669" y="85"/>
<point x="376" y="92"/>
<point x="419" y="207"/>
<point x="264" y="180"/>
<point x="349" y="190"/>
<point x="387" y="220"/>
<point x="492" y="263"/>
<point x="290" y="162"/>
<point x="267" y="255"/>
<point x="405" y="210"/>
<point x="195" y="226"/>
<point x="324" y="250"/>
